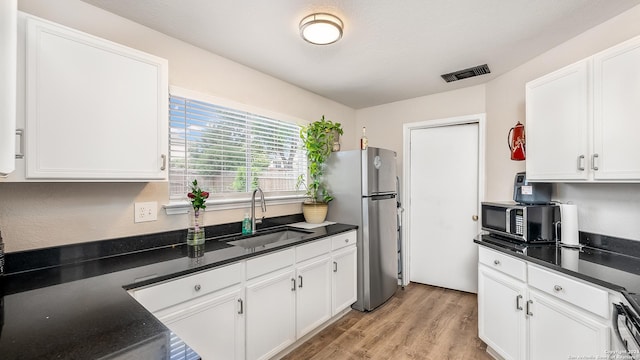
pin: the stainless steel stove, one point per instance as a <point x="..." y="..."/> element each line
<point x="626" y="328"/>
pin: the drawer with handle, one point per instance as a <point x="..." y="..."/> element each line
<point x="312" y="249"/>
<point x="504" y="263"/>
<point x="173" y="292"/>
<point x="564" y="287"/>
<point x="265" y="264"/>
<point x="344" y="240"/>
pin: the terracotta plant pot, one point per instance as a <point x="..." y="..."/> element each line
<point x="315" y="213"/>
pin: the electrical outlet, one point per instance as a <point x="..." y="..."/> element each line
<point x="145" y="211"/>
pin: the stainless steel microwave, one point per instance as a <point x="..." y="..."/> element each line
<point x="526" y="223"/>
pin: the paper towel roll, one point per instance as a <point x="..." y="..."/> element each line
<point x="569" y="223"/>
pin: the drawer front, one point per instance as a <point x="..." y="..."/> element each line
<point x="313" y="249"/>
<point x="343" y="240"/>
<point x="270" y="262"/>
<point x="503" y="263"/>
<point x="173" y="292"/>
<point x="583" y="295"/>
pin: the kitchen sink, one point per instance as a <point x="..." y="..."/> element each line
<point x="270" y="237"/>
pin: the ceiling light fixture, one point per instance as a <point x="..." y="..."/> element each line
<point x="321" y="29"/>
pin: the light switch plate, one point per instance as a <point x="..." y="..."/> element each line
<point x="145" y="211"/>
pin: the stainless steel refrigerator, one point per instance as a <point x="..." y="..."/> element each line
<point x="363" y="183"/>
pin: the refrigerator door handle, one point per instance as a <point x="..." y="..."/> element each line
<point x="382" y="197"/>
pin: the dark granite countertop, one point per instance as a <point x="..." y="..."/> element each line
<point x="77" y="307"/>
<point x="613" y="264"/>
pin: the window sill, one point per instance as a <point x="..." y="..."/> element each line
<point x="182" y="207"/>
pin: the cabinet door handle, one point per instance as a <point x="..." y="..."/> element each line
<point x="293" y="284"/>
<point x="581" y="162"/>
<point x="300" y="277"/>
<point x="496" y="262"/>
<point x="164" y="162"/>
<point x="528" y="311"/>
<point x="20" y="133"/>
<point x="197" y="287"/>
<point x="241" y="303"/>
<point x="518" y="306"/>
<point x="335" y="266"/>
<point x="557" y="288"/>
<point x="593" y="162"/>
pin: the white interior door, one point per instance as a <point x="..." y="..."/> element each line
<point x="443" y="197"/>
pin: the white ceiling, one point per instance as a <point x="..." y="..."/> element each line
<point x="391" y="50"/>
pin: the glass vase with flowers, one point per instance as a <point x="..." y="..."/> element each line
<point x="195" y="231"/>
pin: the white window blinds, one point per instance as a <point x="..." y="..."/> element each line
<point x="230" y="151"/>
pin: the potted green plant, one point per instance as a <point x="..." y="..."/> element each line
<point x="318" y="139"/>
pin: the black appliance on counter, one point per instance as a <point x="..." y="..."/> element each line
<point x="525" y="223"/>
<point x="530" y="193"/>
<point x="531" y="218"/>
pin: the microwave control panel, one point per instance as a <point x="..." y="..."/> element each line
<point x="519" y="223"/>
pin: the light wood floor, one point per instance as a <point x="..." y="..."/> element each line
<point x="420" y="322"/>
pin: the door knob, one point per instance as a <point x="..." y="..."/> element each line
<point x="474" y="217"/>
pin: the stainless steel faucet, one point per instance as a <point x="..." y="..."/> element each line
<point x="253" y="209"/>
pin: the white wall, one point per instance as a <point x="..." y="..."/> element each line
<point x="46" y="214"/>
<point x="384" y="123"/>
<point x="610" y="209"/>
<point x="40" y="215"/>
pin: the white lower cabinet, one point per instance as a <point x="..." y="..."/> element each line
<point x="284" y="307"/>
<point x="313" y="294"/>
<point x="344" y="291"/>
<point x="206" y="310"/>
<point x="542" y="316"/>
<point x="214" y="327"/>
<point x="255" y="309"/>
<point x="271" y="322"/>
<point x="501" y="321"/>
<point x="558" y="330"/>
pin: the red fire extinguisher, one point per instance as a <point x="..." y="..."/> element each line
<point x="515" y="139"/>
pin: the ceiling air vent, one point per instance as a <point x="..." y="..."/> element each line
<point x="466" y="73"/>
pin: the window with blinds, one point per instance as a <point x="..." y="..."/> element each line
<point x="230" y="152"/>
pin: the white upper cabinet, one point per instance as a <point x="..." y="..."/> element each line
<point x="557" y="124"/>
<point x="8" y="55"/>
<point x="582" y="119"/>
<point x="617" y="112"/>
<point x="95" y="110"/>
